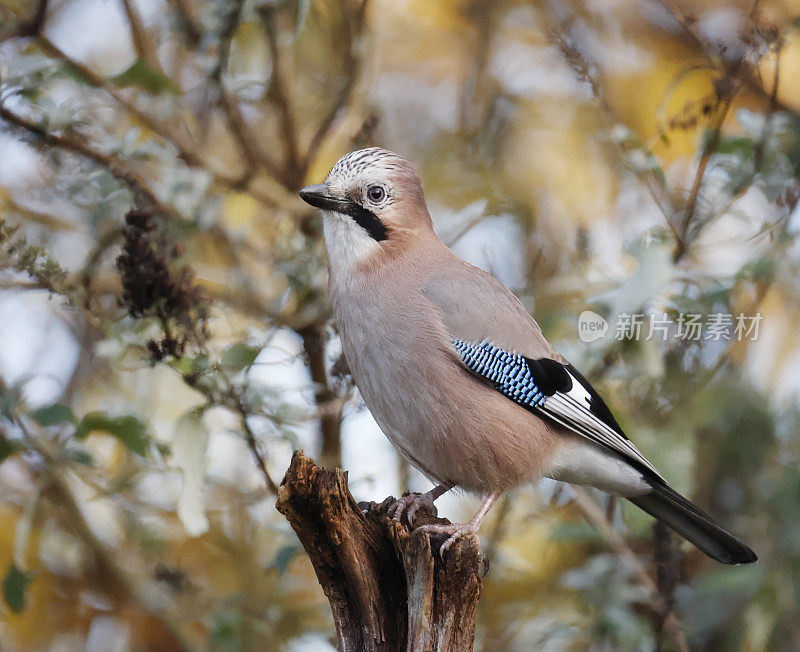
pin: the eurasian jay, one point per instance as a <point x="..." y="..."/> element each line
<point x="456" y="372"/>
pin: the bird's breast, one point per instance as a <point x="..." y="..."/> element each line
<point x="447" y="423"/>
<point x="396" y="354"/>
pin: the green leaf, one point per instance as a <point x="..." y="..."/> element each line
<point x="15" y="584"/>
<point x="284" y="557"/>
<point x="190" y="366"/>
<point x="72" y="73"/>
<point x="81" y="457"/>
<point x="31" y="94"/>
<point x="226" y="632"/>
<point x="141" y="75"/>
<point x="9" y="398"/>
<point x="7" y="448"/>
<point x="759" y="269"/>
<point x="54" y="415"/>
<point x="128" y="429"/>
<point x="239" y="356"/>
<point x="581" y="532"/>
<point x="742" y="147"/>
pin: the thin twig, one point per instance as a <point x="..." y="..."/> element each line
<point x="352" y="70"/>
<point x="325" y="398"/>
<point x="255" y="449"/>
<point x="142" y="42"/>
<point x="587" y="71"/>
<point x="593" y="513"/>
<point x="758" y="153"/>
<point x="245" y="138"/>
<point x="141" y="190"/>
<point x="748" y="71"/>
<point x="29" y="27"/>
<point x="164" y="131"/>
<point x="149" y="598"/>
<point x="187" y="20"/>
<point x="710" y="146"/>
<point x="279" y="91"/>
<point x="37" y="216"/>
<point x="79" y="146"/>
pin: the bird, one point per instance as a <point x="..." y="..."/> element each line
<point x="458" y="374"/>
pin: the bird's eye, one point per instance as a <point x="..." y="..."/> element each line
<point x="376" y="194"/>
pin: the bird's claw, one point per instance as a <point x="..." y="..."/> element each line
<point x="410" y="505"/>
<point x="457" y="531"/>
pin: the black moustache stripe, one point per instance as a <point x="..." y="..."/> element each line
<point x="368" y="221"/>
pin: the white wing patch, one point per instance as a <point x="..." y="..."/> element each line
<point x="572" y="410"/>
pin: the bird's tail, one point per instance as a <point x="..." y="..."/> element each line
<point x="668" y="506"/>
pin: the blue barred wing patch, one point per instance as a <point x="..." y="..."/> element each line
<point x="509" y="373"/>
<point x="553" y="390"/>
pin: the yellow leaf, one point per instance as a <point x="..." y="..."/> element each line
<point x="239" y="209"/>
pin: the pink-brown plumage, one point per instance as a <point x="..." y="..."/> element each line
<point x="402" y="300"/>
<point x="397" y="340"/>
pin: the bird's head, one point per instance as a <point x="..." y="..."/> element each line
<point x="372" y="200"/>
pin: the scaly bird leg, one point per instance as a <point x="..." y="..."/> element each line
<point x="460" y="530"/>
<point x="409" y="505"/>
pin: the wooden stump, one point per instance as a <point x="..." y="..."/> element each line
<point x="387" y="586"/>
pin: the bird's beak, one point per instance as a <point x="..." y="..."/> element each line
<point x="320" y="196"/>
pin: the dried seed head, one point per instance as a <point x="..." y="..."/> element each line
<point x="151" y="287"/>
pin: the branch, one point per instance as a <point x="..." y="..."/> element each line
<point x="353" y="62"/>
<point x="147" y="596"/>
<point x="28" y="27"/>
<point x="123" y="582"/>
<point x="164" y="131"/>
<point x="593" y="513"/>
<point x="146" y="197"/>
<point x="587" y="71"/>
<point x="255" y="449"/>
<point x="668" y="558"/>
<point x="142" y="43"/>
<point x="78" y="146"/>
<point x="709" y="148"/>
<point x="330" y="420"/>
<point x="387" y="587"/>
<point x="37" y="216"/>
<point x="278" y="89"/>
<point x="187" y="21"/>
<point x="758" y="154"/>
<point x="245" y="138"/>
<point x="748" y="71"/>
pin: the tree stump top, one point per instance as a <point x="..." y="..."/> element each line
<point x="387" y="586"/>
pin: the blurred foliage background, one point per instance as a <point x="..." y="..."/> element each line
<point x="155" y="374"/>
